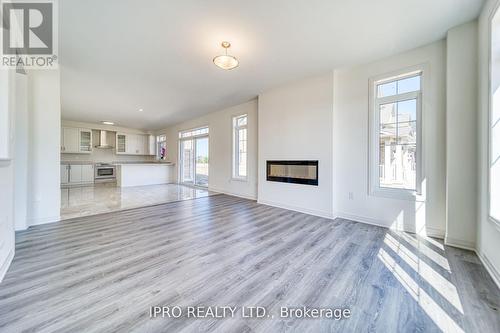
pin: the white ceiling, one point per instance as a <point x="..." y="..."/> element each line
<point x="121" y="55"/>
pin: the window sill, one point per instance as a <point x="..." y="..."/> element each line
<point x="406" y="195"/>
<point x="495" y="222"/>
<point x="239" y="179"/>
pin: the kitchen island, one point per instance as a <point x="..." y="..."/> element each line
<point x="144" y="173"/>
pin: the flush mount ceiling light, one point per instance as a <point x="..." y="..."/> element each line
<point x="226" y="61"/>
<point x="107" y="122"/>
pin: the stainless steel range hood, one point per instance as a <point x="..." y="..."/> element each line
<point x="103" y="140"/>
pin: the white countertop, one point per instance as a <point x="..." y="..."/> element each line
<point x="76" y="162"/>
<point x="144" y="163"/>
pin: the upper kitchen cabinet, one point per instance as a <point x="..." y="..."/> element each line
<point x="151" y="149"/>
<point x="76" y="140"/>
<point x="85" y="140"/>
<point x="133" y="144"/>
<point x="121" y="143"/>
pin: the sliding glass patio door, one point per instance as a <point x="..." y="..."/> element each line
<point x="201" y="161"/>
<point x="187" y="161"/>
<point x="194" y="157"/>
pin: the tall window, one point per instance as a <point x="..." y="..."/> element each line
<point x="395" y="123"/>
<point x="161" y="146"/>
<point x="240" y="147"/>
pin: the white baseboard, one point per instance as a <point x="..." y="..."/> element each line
<point x="461" y="244"/>
<point x="435" y="233"/>
<point x="363" y="219"/>
<point x="432" y="232"/>
<point x="492" y="270"/>
<point x="6" y="264"/>
<point x="43" y="220"/>
<point x="327" y="215"/>
<point x="244" y="196"/>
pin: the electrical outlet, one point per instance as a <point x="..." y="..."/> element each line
<point x="351" y="196"/>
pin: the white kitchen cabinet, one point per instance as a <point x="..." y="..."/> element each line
<point x="75" y="173"/>
<point x="151" y="145"/>
<point x="64" y="174"/>
<point x="87" y="173"/>
<point x="141" y="144"/>
<point x="85" y="136"/>
<point x="76" y="140"/>
<point x="71" y="142"/>
<point x="132" y="144"/>
<point x="121" y="143"/>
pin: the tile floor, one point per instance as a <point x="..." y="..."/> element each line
<point x="107" y="197"/>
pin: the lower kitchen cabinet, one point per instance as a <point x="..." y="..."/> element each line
<point x="64" y="174"/>
<point x="74" y="174"/>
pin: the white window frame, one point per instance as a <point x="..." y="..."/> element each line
<point x="193" y="130"/>
<point x="374" y="130"/>
<point x="236" y="152"/>
<point x="492" y="219"/>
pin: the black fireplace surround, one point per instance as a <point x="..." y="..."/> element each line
<point x="297" y="172"/>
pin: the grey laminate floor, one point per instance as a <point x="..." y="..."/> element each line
<point x="102" y="273"/>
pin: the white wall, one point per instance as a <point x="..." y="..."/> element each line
<point x="488" y="237"/>
<point x="7" y="96"/>
<point x="21" y="152"/>
<point x="220" y="148"/>
<point x="295" y="123"/>
<point x="45" y="127"/>
<point x="350" y="138"/>
<point x="461" y="135"/>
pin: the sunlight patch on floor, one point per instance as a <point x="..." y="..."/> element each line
<point x="428" y="252"/>
<point x="433" y="278"/>
<point x="428" y="305"/>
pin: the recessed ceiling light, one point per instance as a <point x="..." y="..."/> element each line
<point x="140" y="110"/>
<point x="107" y="122"/>
<point x="226" y="61"/>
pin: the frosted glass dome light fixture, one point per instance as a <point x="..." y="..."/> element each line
<point x="226" y="61"/>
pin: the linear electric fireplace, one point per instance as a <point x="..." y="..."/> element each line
<point x="298" y="172"/>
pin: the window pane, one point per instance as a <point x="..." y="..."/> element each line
<point x="387" y="89"/>
<point x="242" y="121"/>
<point x="242" y="167"/>
<point x="388" y="113"/>
<point x="407" y="133"/>
<point x="397" y="166"/>
<point x="240" y="157"/>
<point x="388" y="133"/>
<point x="189" y="133"/>
<point x="242" y="134"/>
<point x="408" y="85"/>
<point x="495" y="143"/>
<point x="495" y="190"/>
<point x="407" y="110"/>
